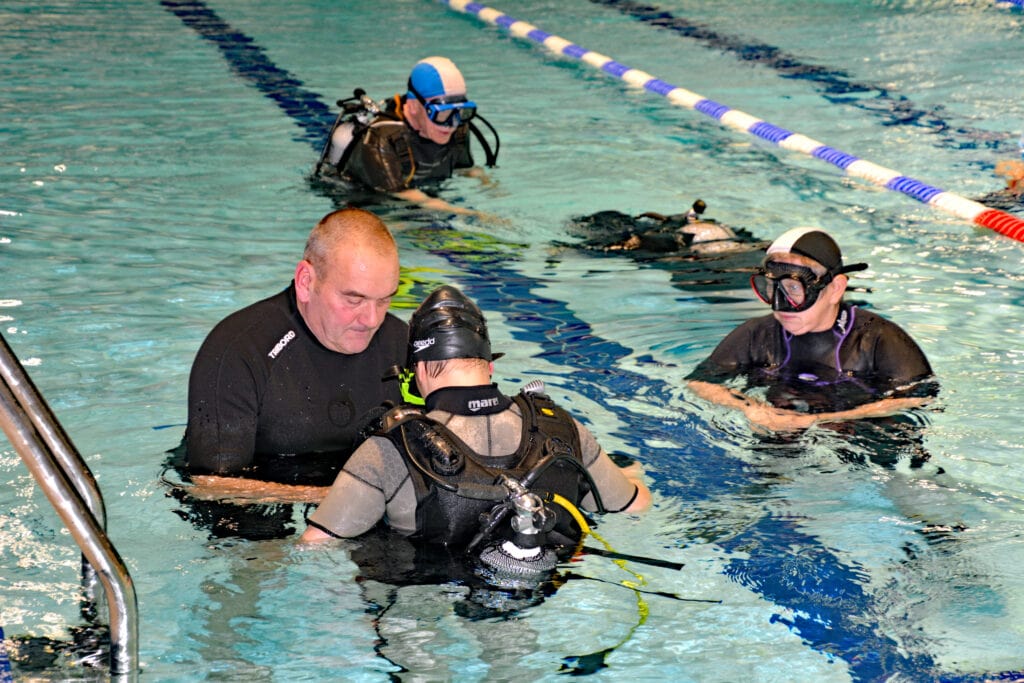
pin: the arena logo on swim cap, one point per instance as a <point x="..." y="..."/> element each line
<point x="420" y="344"/>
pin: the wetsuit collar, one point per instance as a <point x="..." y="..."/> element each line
<point x="293" y="308"/>
<point x="478" y="400"/>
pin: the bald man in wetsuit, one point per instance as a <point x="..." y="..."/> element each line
<point x="280" y="390"/>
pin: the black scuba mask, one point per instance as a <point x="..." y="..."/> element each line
<point x="788" y="287"/>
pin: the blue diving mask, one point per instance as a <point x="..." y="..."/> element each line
<point x="448" y="111"/>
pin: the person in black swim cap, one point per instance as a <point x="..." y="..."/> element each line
<point x="813" y="342"/>
<point x="448" y="325"/>
<point x="409" y="472"/>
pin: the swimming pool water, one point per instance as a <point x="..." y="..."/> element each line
<point x="154" y="175"/>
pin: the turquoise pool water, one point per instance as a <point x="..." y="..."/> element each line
<point x="155" y="178"/>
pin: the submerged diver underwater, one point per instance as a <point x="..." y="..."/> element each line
<point x="649" y="234"/>
<point x="704" y="257"/>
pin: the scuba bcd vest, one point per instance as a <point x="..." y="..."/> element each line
<point x="359" y="112"/>
<point x="464" y="499"/>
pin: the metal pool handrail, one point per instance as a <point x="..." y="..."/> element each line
<point x="65" y="478"/>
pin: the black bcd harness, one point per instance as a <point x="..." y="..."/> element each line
<point x="462" y="498"/>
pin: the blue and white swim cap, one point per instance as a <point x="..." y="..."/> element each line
<point x="436" y="77"/>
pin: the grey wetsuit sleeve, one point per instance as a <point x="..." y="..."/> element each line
<point x="616" y="491"/>
<point x="365" y="491"/>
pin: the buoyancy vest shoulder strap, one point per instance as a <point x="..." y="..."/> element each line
<point x="454" y="485"/>
<point x="547" y="429"/>
<point x="545" y="423"/>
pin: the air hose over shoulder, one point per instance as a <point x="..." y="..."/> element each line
<point x="490" y="155"/>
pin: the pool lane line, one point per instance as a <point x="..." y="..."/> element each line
<point x="249" y="61"/>
<point x="967" y="209"/>
<point x="835" y="85"/>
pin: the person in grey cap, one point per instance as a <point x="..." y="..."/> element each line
<point x="815" y="358"/>
<point x="473" y="454"/>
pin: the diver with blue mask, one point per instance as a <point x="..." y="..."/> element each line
<point x="819" y="358"/>
<point x="412" y="141"/>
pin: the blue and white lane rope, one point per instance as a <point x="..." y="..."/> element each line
<point x="967" y="209"/>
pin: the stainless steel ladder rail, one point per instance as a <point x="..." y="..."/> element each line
<point x="46" y="423"/>
<point x="65" y="478"/>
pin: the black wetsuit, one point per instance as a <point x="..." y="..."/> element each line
<point x="853" y="363"/>
<point x="839" y="369"/>
<point x="390" y="156"/>
<point x="268" y="401"/>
